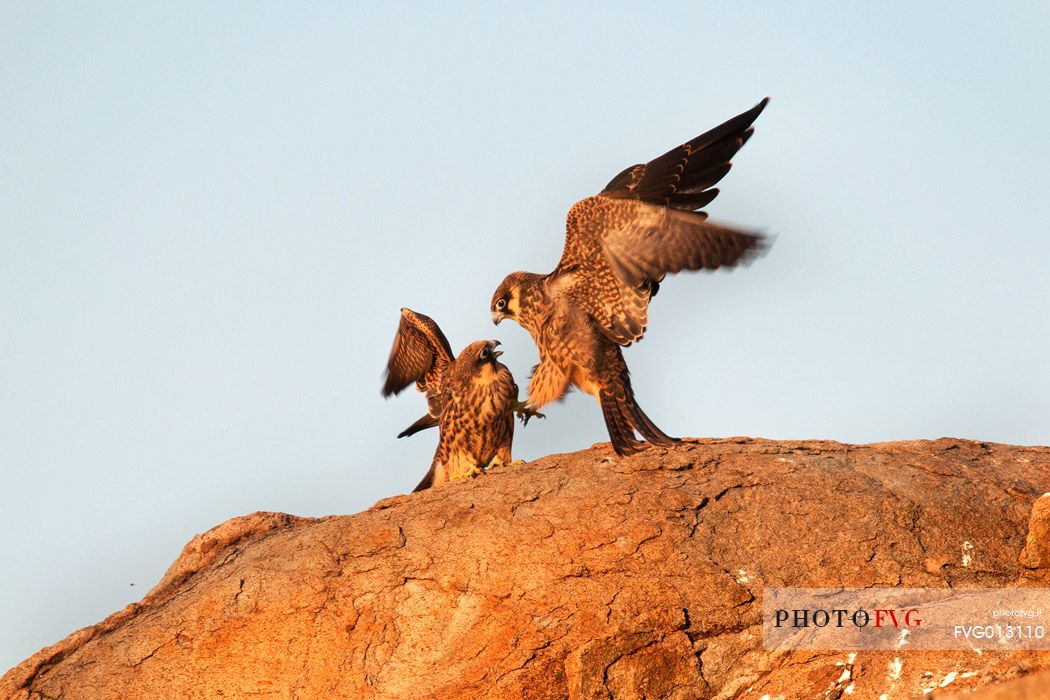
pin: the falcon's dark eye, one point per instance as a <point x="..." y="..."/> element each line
<point x="501" y="304"/>
<point x="485" y="353"/>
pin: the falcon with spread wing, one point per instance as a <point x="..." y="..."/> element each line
<point x="470" y="398"/>
<point x="619" y="245"/>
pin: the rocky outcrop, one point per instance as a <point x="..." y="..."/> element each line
<point x="585" y="576"/>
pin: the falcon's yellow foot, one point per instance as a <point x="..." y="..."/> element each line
<point x="470" y="473"/>
<point x="525" y="412"/>
<point x="497" y="462"/>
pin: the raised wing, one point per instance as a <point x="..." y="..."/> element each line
<point x="684" y="177"/>
<point x="421" y="354"/>
<point x="655" y="241"/>
<point x="620" y="243"/>
<point x="621" y="249"/>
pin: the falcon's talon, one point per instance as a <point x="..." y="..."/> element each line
<point x="497" y="462"/>
<point x="525" y="412"/>
<point x="471" y="473"/>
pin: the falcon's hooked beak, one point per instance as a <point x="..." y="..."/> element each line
<point x="498" y="316"/>
<point x="495" y="353"/>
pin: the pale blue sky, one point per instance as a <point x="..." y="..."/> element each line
<point x="210" y="216"/>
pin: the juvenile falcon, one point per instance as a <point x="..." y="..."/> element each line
<point x="471" y="398"/>
<point x="619" y="245"/>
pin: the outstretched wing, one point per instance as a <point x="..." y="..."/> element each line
<point x="684" y="177"/>
<point x="421" y="354"/>
<point x="647" y="242"/>
<point x="620" y="243"/>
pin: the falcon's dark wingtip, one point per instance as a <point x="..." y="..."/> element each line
<point x="684" y="177"/>
<point x="757" y="109"/>
<point x="427" y="481"/>
<point x="390" y="387"/>
<point x="427" y="421"/>
<point x="760" y="246"/>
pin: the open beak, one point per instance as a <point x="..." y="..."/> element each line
<point x="496" y="353"/>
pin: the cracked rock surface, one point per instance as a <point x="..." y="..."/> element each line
<point x="585" y="576"/>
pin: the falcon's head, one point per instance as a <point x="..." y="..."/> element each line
<point x="482" y="352"/>
<point x="478" y="363"/>
<point x="506" y="302"/>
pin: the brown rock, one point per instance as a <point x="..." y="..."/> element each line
<point x="582" y="576"/>
<point x="1035" y="557"/>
